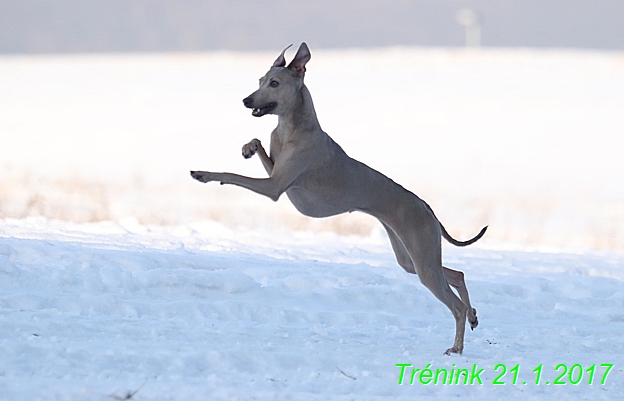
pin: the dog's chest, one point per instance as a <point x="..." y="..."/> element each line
<point x="318" y="196"/>
<point x="311" y="205"/>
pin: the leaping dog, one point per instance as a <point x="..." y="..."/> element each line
<point x="321" y="180"/>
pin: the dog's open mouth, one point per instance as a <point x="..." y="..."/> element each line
<point x="260" y="111"/>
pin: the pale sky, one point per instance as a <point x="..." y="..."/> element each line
<point x="48" y="26"/>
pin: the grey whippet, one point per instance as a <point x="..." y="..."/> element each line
<point x="321" y="180"/>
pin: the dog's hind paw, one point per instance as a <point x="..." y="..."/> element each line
<point x="453" y="350"/>
<point x="473" y="322"/>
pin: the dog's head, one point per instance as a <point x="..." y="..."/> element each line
<point x="280" y="86"/>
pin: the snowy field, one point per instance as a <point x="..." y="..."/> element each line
<point x="101" y="311"/>
<point x="527" y="141"/>
<point x="122" y="278"/>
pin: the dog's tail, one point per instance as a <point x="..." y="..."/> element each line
<point x="453" y="241"/>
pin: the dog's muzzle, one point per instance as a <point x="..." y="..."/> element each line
<point x="258" y="111"/>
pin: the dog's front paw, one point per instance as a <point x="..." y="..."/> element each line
<point x="251" y="148"/>
<point x="202" y="176"/>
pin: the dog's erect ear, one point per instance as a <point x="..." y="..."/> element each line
<point x="281" y="61"/>
<point x="301" y="59"/>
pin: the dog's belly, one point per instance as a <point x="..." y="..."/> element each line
<point x="313" y="205"/>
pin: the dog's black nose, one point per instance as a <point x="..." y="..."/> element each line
<point x="248" y="101"/>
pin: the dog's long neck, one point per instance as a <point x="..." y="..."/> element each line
<point x="301" y="118"/>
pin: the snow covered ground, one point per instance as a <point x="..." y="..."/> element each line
<point x="101" y="311"/>
<point x="122" y="278"/>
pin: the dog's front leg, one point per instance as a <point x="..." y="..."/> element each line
<point x="255" y="146"/>
<point x="285" y="171"/>
<point x="269" y="187"/>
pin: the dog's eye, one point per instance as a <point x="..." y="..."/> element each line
<point x="274" y="84"/>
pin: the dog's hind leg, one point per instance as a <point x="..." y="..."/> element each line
<point x="424" y="250"/>
<point x="402" y="257"/>
<point x="456" y="280"/>
<point x="453" y="277"/>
